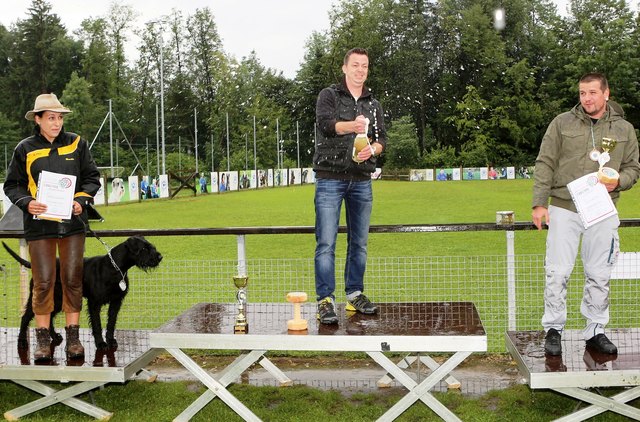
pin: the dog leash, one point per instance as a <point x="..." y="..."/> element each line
<point x="122" y="284"/>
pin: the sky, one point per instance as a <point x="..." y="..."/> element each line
<point x="276" y="29"/>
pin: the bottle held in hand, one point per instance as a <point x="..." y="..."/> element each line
<point x="360" y="142"/>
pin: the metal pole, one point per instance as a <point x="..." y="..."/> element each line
<point x="111" y="136"/>
<point x="511" y="278"/>
<point x="278" y="140"/>
<point x="242" y="260"/>
<point x="246" y="152"/>
<point x="298" y="142"/>
<point x="147" y="139"/>
<point x="162" y="102"/>
<point x="508" y="218"/>
<point x="195" y="125"/>
<point x="255" y="156"/>
<point x="212" y="166"/>
<point x="228" y="163"/>
<point x="157" y="143"/>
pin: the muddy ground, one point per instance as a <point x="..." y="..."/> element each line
<point x="476" y="375"/>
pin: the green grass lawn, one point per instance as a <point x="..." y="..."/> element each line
<point x="141" y="401"/>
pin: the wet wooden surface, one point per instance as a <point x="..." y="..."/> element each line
<point x="131" y="345"/>
<point x="576" y="357"/>
<point x="412" y="319"/>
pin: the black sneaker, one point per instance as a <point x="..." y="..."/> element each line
<point x="602" y="344"/>
<point x="361" y="304"/>
<point x="552" y="343"/>
<point x="327" y="311"/>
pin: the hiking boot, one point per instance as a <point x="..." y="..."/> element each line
<point x="43" y="347"/>
<point x="602" y="344"/>
<point x="74" y="348"/>
<point x="327" y="311"/>
<point x="361" y="304"/>
<point x="552" y="343"/>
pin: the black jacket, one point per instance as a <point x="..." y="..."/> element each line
<point x="67" y="154"/>
<point x="332" y="158"/>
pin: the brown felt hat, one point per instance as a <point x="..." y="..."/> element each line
<point x="46" y="102"/>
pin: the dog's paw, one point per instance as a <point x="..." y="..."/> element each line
<point x="113" y="343"/>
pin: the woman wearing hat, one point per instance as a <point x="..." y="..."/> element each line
<point x="53" y="150"/>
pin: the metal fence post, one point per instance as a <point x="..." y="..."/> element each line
<point x="242" y="257"/>
<point x="507" y="218"/>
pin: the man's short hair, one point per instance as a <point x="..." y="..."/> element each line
<point x="596" y="76"/>
<point x="356" y="50"/>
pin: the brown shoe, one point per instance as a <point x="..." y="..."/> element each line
<point x="43" y="347"/>
<point x="74" y="348"/>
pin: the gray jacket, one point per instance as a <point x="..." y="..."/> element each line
<point x="564" y="154"/>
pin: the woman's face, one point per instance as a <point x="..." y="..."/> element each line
<point x="50" y="124"/>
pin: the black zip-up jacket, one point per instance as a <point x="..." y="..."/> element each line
<point x="67" y="154"/>
<point x="332" y="157"/>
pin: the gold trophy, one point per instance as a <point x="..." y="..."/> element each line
<point x="607" y="174"/>
<point x="241" y="326"/>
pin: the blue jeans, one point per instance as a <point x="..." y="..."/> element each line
<point x="358" y="199"/>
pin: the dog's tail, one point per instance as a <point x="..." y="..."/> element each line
<point x="17" y="257"/>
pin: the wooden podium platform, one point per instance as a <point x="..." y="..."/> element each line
<point x="447" y="327"/>
<point x="579" y="369"/>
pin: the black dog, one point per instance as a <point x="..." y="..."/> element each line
<point x="104" y="281"/>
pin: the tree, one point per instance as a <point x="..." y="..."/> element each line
<point x="98" y="60"/>
<point x="402" y="148"/>
<point x="42" y="58"/>
<point x="9" y="138"/>
<point x="77" y="97"/>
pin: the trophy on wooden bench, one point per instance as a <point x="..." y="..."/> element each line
<point x="241" y="326"/>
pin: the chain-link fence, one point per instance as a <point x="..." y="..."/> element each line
<point x="160" y="295"/>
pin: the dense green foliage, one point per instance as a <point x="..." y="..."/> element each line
<point x="458" y="91"/>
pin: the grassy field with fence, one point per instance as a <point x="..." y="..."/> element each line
<point x="402" y="267"/>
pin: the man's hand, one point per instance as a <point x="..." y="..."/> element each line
<point x="538" y="214"/>
<point x="611" y="186"/>
<point x="354" y="126"/>
<point x="360" y="124"/>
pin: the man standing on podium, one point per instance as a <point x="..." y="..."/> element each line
<point x="351" y="135"/>
<point x="571" y="148"/>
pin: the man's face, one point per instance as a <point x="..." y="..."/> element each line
<point x="356" y="69"/>
<point x="593" y="98"/>
<point x="50" y="124"/>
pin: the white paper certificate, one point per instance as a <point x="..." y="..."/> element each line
<point x="591" y="199"/>
<point x="56" y="191"/>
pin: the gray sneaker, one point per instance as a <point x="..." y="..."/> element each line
<point x="361" y="304"/>
<point x="327" y="311"/>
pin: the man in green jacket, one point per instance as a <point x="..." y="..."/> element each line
<point x="570" y="149"/>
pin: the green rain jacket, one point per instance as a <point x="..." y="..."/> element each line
<point x="564" y="154"/>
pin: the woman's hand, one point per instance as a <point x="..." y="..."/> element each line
<point x="36" y="208"/>
<point x="77" y="208"/>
